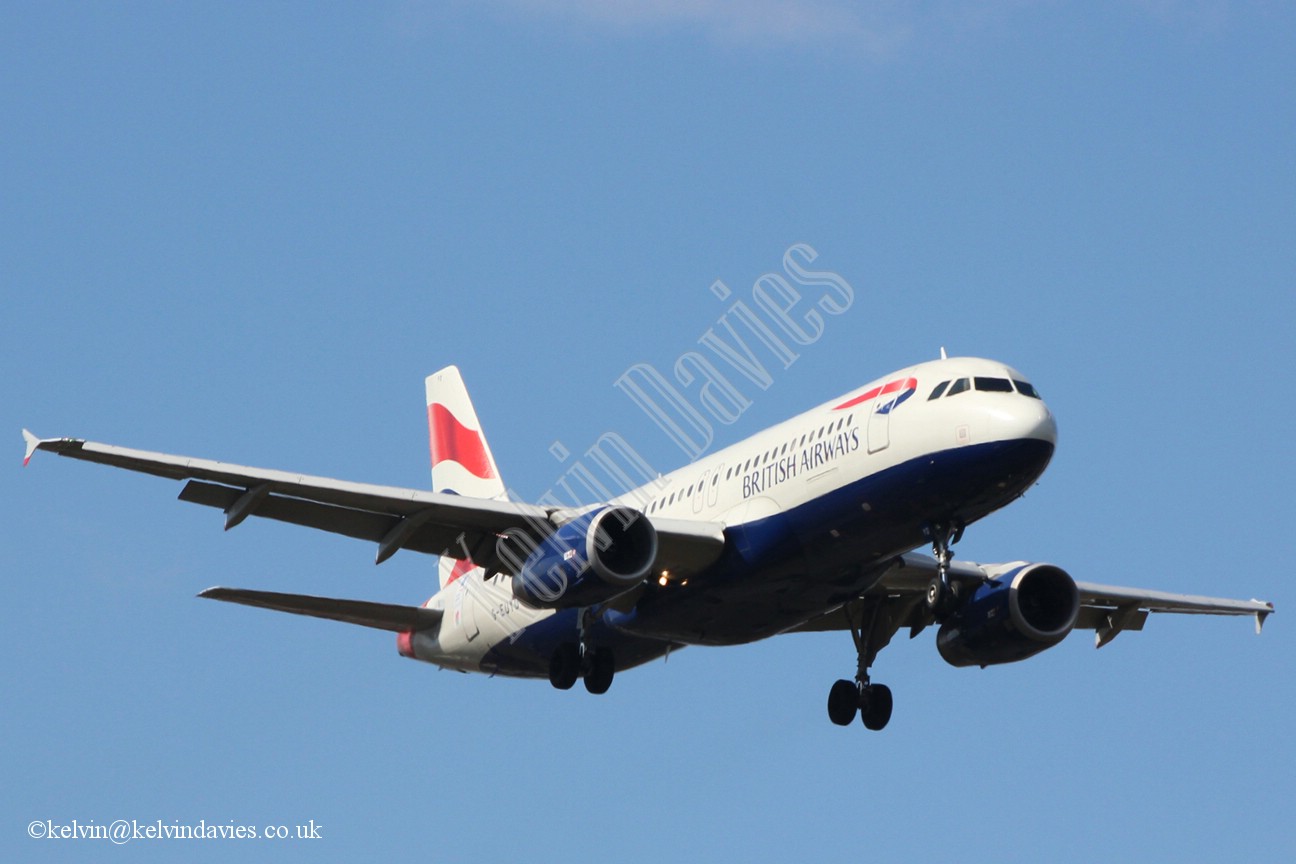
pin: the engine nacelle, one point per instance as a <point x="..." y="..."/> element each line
<point x="1024" y="610"/>
<point x="590" y="559"/>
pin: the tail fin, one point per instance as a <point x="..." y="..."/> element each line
<point x="461" y="459"/>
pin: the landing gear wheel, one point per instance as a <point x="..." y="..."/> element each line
<point x="843" y="702"/>
<point x="942" y="598"/>
<point x="935" y="593"/>
<point x="875" y="706"/>
<point x="602" y="667"/>
<point x="564" y="666"/>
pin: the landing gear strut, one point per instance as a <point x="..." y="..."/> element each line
<point x="572" y="660"/>
<point x="871" y="701"/>
<point x="942" y="598"/>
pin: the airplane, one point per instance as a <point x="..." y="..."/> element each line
<point x="809" y="525"/>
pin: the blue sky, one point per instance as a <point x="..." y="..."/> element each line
<point x="248" y="233"/>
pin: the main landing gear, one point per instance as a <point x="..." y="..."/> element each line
<point x="572" y="660"/>
<point x="871" y="701"/>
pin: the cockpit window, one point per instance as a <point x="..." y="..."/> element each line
<point x="994" y="385"/>
<point x="940" y="388"/>
<point x="958" y="386"/>
<point x="1026" y="389"/>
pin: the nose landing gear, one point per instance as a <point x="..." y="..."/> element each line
<point x="942" y="599"/>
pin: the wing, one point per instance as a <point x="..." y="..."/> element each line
<point x="395" y="518"/>
<point x="1108" y="610"/>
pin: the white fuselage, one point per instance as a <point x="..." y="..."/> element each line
<point x="778" y="470"/>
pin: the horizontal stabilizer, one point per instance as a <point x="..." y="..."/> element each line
<point x="382" y="616"/>
<point x="32" y="443"/>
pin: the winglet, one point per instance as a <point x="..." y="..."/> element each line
<point x="32" y="443"/>
<point x="1260" y="619"/>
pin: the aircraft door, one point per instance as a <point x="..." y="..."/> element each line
<point x="465" y="608"/>
<point x="713" y="488"/>
<point x="879" y="423"/>
<point x="700" y="495"/>
<point x="888" y="399"/>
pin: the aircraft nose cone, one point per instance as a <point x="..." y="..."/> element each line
<point x="1024" y="420"/>
<point x="1040" y="424"/>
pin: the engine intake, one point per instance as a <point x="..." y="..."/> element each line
<point x="590" y="559"/>
<point x="1017" y="615"/>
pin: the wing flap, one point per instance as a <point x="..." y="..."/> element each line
<point x="347" y="521"/>
<point x="687" y="546"/>
<point x="381" y="616"/>
<point x="1101" y="617"/>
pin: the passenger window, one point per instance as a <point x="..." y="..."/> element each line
<point x="940" y="388"/>
<point x="1026" y="389"/>
<point x="958" y="387"/>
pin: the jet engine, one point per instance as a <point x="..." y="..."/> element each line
<point x="590" y="559"/>
<point x="1018" y="614"/>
